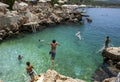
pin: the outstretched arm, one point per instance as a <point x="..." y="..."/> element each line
<point x="58" y="43"/>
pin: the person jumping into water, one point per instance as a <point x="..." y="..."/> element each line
<point x="78" y="35"/>
<point x="53" y="50"/>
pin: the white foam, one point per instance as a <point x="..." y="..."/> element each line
<point x="78" y="35"/>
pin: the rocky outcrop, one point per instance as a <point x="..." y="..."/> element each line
<point x="32" y="19"/>
<point x="53" y="76"/>
<point x="105" y="71"/>
<point x="110" y="67"/>
<point x="112" y="53"/>
<point x="110" y="79"/>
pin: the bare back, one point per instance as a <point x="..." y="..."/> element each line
<point x="29" y="68"/>
<point x="53" y="46"/>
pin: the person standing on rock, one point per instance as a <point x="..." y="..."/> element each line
<point x="53" y="50"/>
<point x="107" y="41"/>
<point x="30" y="71"/>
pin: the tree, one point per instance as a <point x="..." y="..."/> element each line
<point x="54" y="2"/>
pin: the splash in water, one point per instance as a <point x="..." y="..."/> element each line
<point x="78" y="35"/>
<point x="102" y="48"/>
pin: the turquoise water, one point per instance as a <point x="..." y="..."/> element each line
<point x="75" y="58"/>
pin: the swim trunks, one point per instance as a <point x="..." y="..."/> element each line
<point x="52" y="54"/>
<point x="31" y="73"/>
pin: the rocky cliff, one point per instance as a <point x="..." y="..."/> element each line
<point x="110" y="68"/>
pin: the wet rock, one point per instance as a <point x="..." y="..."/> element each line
<point x="100" y="75"/>
<point x="89" y="20"/>
<point x="105" y="71"/>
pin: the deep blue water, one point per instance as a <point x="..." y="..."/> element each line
<point x="75" y="58"/>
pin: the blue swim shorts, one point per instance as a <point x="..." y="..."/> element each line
<point x="52" y="54"/>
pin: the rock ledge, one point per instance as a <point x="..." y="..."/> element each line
<point x="53" y="76"/>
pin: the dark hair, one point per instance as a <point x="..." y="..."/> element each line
<point x="53" y="41"/>
<point x="107" y="37"/>
<point x="27" y="63"/>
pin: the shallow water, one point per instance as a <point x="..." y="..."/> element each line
<point x="75" y="58"/>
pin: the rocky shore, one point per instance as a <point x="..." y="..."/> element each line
<point x="109" y="70"/>
<point x="34" y="18"/>
<point x="53" y="76"/>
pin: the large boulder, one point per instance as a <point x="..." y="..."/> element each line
<point x="53" y="76"/>
<point x="112" y="53"/>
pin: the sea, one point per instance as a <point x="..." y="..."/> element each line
<point x="76" y="58"/>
